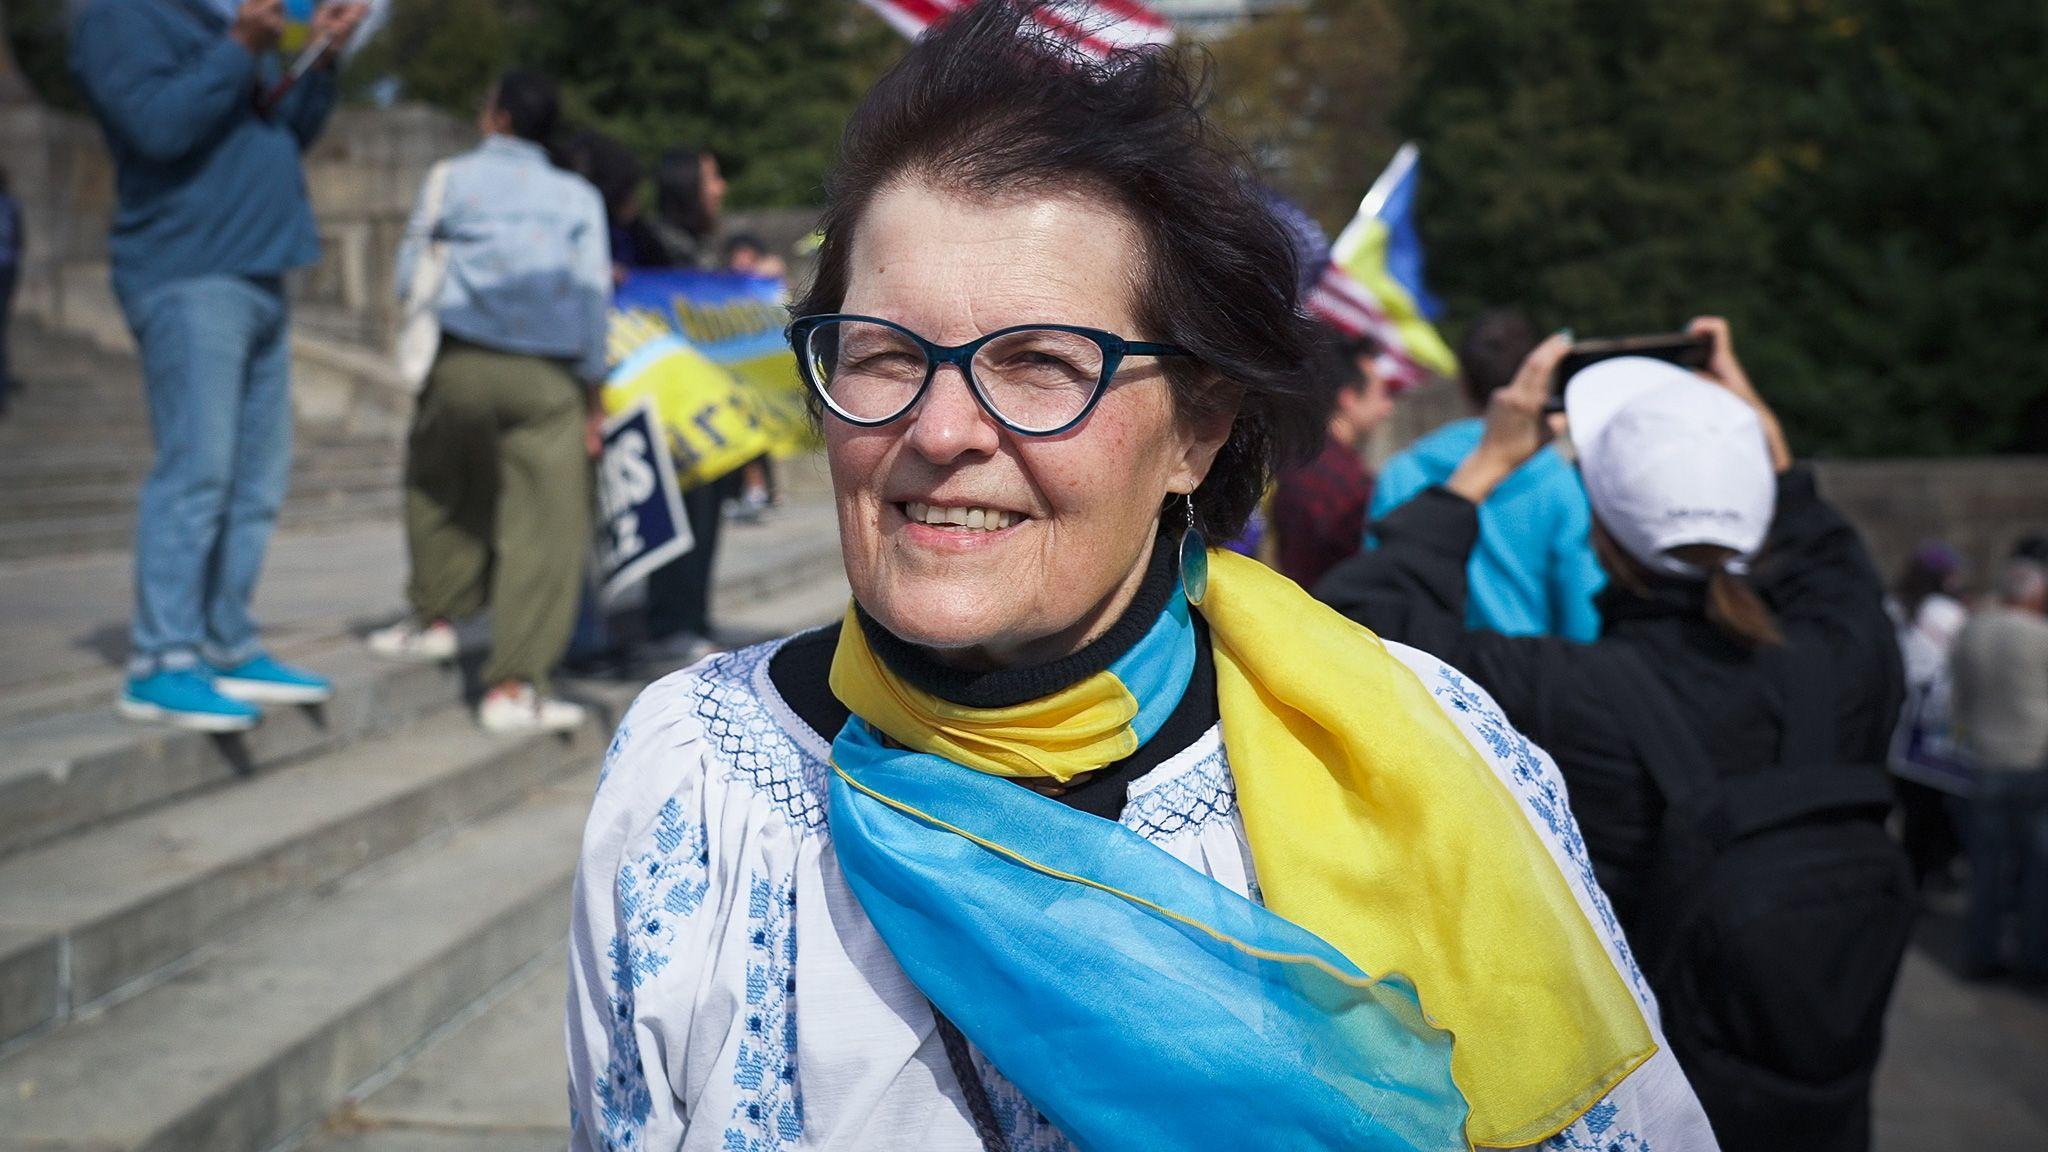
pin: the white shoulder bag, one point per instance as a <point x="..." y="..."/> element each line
<point x="419" y="328"/>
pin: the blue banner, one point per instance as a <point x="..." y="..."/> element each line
<point x="706" y="349"/>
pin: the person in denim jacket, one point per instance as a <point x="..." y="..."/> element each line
<point x="497" y="502"/>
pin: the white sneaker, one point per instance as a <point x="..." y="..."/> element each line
<point x="523" y="710"/>
<point x="432" y="644"/>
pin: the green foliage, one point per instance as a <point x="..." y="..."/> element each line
<point x="1592" y="160"/>
<point x="1308" y="90"/>
<point x="443" y="52"/>
<point x="36" y="30"/>
<point x="765" y="84"/>
<point x="1860" y="185"/>
<point x="1908" y="274"/>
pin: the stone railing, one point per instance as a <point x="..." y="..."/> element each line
<point x="1979" y="506"/>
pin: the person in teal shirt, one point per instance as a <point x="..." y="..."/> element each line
<point x="1534" y="572"/>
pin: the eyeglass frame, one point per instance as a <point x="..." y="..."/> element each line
<point x="961" y="356"/>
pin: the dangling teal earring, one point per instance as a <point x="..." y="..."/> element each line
<point x="1194" y="559"/>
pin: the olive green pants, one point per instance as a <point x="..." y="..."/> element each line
<point x="497" y="503"/>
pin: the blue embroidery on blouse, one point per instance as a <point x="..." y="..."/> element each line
<point x="1023" y="1128"/>
<point x="660" y="887"/>
<point x="611" y="752"/>
<point x="752" y="743"/>
<point x="1183" y="805"/>
<point x="1544" y="795"/>
<point x="1596" y="1131"/>
<point x="769" y="1114"/>
<point x="654" y="892"/>
<point x="623" y="1099"/>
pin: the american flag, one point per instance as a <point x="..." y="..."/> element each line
<point x="1345" y="305"/>
<point x="1372" y="285"/>
<point x="1097" y="27"/>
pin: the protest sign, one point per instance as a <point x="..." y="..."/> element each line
<point x="706" y="349"/>
<point x="639" y="501"/>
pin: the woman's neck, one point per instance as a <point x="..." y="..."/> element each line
<point x="976" y="684"/>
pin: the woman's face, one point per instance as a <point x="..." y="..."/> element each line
<point x="713" y="184"/>
<point x="1084" y="505"/>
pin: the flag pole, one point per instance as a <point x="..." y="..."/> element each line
<point x="1390" y="178"/>
<point x="1396" y="171"/>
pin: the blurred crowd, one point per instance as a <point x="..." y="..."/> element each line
<point x="1629" y="560"/>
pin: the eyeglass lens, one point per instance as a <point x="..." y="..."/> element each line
<point x="1036" y="379"/>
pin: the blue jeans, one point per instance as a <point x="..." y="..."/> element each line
<point x="2008" y="843"/>
<point x="216" y="365"/>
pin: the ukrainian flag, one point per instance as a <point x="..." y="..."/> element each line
<point x="1374" y="285"/>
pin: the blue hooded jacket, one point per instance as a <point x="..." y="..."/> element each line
<point x="1534" y="572"/>
<point x="208" y="186"/>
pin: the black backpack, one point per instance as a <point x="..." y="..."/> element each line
<point x="1774" y="923"/>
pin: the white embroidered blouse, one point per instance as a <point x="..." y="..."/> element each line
<point x="727" y="992"/>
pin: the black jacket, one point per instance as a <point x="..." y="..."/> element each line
<point x="1660" y="670"/>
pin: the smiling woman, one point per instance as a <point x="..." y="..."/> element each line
<point x="1041" y="847"/>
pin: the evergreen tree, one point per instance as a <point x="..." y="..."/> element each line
<point x="765" y="84"/>
<point x="1860" y="185"/>
<point x="1907" y="278"/>
<point x="442" y="52"/>
<point x="1309" y="90"/>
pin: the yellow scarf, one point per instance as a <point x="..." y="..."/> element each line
<point x="1372" y="822"/>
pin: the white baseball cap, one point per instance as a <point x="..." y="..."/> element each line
<point x="1670" y="459"/>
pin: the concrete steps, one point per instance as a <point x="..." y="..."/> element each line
<point x="110" y="531"/>
<point x="260" y="1037"/>
<point x="492" y="1082"/>
<point x="77" y="443"/>
<point x="215" y="943"/>
<point x="315" y="460"/>
<point x="358" y="949"/>
<point x="62" y="773"/>
<point x="90" y="915"/>
<point x="114" y="532"/>
<point x="87" y="497"/>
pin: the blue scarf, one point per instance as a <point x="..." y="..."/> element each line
<point x="1134" y="1001"/>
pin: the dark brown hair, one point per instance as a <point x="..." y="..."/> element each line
<point x="530" y="104"/>
<point x="1492" y="352"/>
<point x="988" y="104"/>
<point x="679" y="192"/>
<point x="1733" y="606"/>
<point x="1334" y="363"/>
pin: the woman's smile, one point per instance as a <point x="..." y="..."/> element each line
<point x="961" y="527"/>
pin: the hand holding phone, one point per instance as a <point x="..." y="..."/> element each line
<point x="335" y="24"/>
<point x="1693" y="349"/>
<point x="258" y="25"/>
<point x="1724" y="369"/>
<point x="1516" y="424"/>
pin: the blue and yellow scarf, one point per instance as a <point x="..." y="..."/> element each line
<point x="1137" y="1003"/>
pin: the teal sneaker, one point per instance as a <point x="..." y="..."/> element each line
<point x="263" y="680"/>
<point x="186" y="697"/>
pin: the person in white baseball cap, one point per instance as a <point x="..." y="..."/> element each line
<point x="1744" y="652"/>
<point x="1674" y="466"/>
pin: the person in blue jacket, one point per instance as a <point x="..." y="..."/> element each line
<point x="1533" y="572"/>
<point x="212" y="213"/>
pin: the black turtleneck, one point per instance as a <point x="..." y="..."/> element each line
<point x="801" y="672"/>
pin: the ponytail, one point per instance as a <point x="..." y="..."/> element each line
<point x="1741" y="615"/>
<point x="1733" y="606"/>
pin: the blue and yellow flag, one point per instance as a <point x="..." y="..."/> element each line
<point x="1373" y="285"/>
<point x="706" y="349"/>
